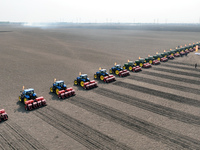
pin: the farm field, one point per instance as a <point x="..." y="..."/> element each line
<point x="157" y="108"/>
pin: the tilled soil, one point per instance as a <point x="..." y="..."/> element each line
<point x="157" y="108"/>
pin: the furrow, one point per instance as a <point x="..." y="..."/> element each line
<point x="138" y="125"/>
<point x="84" y="134"/>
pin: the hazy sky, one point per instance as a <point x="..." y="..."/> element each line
<point x="144" y="11"/>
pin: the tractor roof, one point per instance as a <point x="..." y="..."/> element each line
<point x="130" y="62"/>
<point x="27" y="90"/>
<point x="59" y="81"/>
<point x="83" y="75"/>
<point x="103" y="70"/>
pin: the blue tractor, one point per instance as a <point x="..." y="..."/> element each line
<point x="117" y="69"/>
<point x="27" y="94"/>
<point x="85" y="82"/>
<point x="104" y="76"/>
<point x="57" y="86"/>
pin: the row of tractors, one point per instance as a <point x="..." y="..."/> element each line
<point x="31" y="101"/>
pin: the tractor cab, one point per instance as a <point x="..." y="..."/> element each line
<point x="59" y="83"/>
<point x="28" y="93"/>
<point x="103" y="71"/>
<point x="118" y="67"/>
<point x="84" y="77"/>
<point x="130" y="63"/>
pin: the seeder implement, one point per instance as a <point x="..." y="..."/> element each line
<point x="3" y="115"/>
<point x="66" y="93"/>
<point x="36" y="103"/>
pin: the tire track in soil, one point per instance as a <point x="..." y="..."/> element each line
<point x="165" y="84"/>
<point x="149" y="106"/>
<point x="181" y="67"/>
<point x="177" y="72"/>
<point x="169" y="96"/>
<point x="143" y="127"/>
<point x="80" y="132"/>
<point x="171" y="77"/>
<point x="180" y="63"/>
<point x="15" y="137"/>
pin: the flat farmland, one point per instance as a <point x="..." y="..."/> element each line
<point x="157" y="108"/>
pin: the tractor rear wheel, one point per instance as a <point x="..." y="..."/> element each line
<point x="82" y="83"/>
<point x="95" y="76"/>
<point x="101" y="77"/>
<point x="57" y="90"/>
<point x="158" y="58"/>
<point x="75" y="82"/>
<point x="130" y="68"/>
<point x="116" y="72"/>
<point x="141" y="64"/>
<point x="25" y="99"/>
<point x="51" y="89"/>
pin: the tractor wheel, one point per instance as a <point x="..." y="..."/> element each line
<point x="51" y="89"/>
<point x="158" y="58"/>
<point x="172" y="54"/>
<point x="57" y="90"/>
<point x="82" y="83"/>
<point x="20" y="98"/>
<point x="150" y="61"/>
<point x="101" y="77"/>
<point x="165" y="56"/>
<point x="130" y="68"/>
<point x="124" y="67"/>
<point x="135" y="64"/>
<point x="75" y="82"/>
<point x="95" y="76"/>
<point x="116" y="72"/>
<point x="25" y="99"/>
<point x="141" y="65"/>
<point x="110" y="71"/>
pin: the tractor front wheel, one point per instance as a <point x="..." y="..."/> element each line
<point x="124" y="67"/>
<point x="158" y="58"/>
<point x="75" y="82"/>
<point x="51" y="89"/>
<point x="110" y="71"/>
<point x="20" y="98"/>
<point x="82" y="83"/>
<point x="95" y="76"/>
<point x="150" y="61"/>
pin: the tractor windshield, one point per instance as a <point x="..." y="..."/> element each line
<point x="61" y="83"/>
<point x="103" y="71"/>
<point x="30" y="92"/>
<point x="118" y="66"/>
<point x="130" y="63"/>
<point x="84" y="76"/>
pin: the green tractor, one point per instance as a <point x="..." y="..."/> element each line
<point x="152" y="60"/>
<point x="131" y="67"/>
<point x="142" y="63"/>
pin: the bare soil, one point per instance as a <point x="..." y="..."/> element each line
<point x="157" y="108"/>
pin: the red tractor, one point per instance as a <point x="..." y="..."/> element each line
<point x="3" y="115"/>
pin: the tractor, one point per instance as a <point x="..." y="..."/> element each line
<point x="168" y="54"/>
<point x="3" y="115"/>
<point x="117" y="69"/>
<point x="104" y="76"/>
<point x="30" y="99"/>
<point x="152" y="60"/>
<point x="160" y="57"/>
<point x="85" y="82"/>
<point x="142" y="63"/>
<point x="61" y="89"/>
<point x="131" y="67"/>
